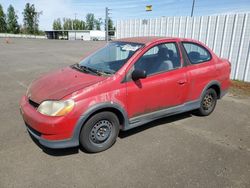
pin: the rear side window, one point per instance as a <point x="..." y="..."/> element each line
<point x="196" y="53"/>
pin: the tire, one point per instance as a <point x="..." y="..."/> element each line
<point x="99" y="132"/>
<point x="208" y="103"/>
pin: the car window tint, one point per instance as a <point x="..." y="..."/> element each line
<point x="160" y="58"/>
<point x="196" y="53"/>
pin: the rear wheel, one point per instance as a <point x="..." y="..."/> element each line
<point x="99" y="132"/>
<point x="208" y="103"/>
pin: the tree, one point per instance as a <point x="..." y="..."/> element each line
<point x="90" y="21"/>
<point x="82" y="24"/>
<point x="78" y="24"/>
<point x="98" y="23"/>
<point x="30" y="19"/>
<point x="3" y="24"/>
<point x="67" y="24"/>
<point x="110" y="25"/>
<point x="57" y="25"/>
<point x="12" y="24"/>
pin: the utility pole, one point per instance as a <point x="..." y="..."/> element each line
<point x="75" y="26"/>
<point x="192" y="11"/>
<point x="107" y="23"/>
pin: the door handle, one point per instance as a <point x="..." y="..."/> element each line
<point x="181" y="82"/>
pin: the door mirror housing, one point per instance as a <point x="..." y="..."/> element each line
<point x="138" y="74"/>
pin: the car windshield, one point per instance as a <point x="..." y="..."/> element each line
<point x="109" y="59"/>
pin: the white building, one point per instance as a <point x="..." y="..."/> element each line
<point x="76" y="34"/>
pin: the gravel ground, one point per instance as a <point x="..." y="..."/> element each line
<point x="179" y="151"/>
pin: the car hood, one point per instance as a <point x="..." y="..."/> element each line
<point x="60" y="83"/>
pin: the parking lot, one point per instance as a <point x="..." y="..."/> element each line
<point x="179" y="151"/>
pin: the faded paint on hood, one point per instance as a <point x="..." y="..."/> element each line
<point x="60" y="83"/>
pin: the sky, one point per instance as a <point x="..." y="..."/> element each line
<point x="124" y="9"/>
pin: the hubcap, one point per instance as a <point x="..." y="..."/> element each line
<point x="100" y="131"/>
<point x="208" y="101"/>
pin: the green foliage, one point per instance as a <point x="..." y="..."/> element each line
<point x="70" y="24"/>
<point x="3" y="24"/>
<point x="78" y="24"/>
<point x="9" y="23"/>
<point x="57" y="25"/>
<point x="41" y="33"/>
<point x="90" y="21"/>
<point x="12" y="24"/>
<point x="30" y="19"/>
<point x="98" y="23"/>
<point x="67" y="24"/>
<point x="111" y="25"/>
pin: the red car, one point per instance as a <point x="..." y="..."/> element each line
<point x="127" y="83"/>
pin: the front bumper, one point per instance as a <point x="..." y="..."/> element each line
<point x="51" y="132"/>
<point x="57" y="144"/>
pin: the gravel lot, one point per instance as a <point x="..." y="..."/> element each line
<point x="180" y="151"/>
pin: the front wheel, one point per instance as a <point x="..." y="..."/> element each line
<point x="99" y="132"/>
<point x="208" y="103"/>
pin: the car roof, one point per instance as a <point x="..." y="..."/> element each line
<point x="143" y="40"/>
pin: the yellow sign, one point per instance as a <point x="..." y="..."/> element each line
<point x="149" y="8"/>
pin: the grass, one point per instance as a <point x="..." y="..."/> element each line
<point x="240" y="88"/>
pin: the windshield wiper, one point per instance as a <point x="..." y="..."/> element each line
<point x="98" y="72"/>
<point x="76" y="66"/>
<point x="90" y="70"/>
<point x="95" y="71"/>
<point x="85" y="69"/>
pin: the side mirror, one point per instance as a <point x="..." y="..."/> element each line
<point x="138" y="74"/>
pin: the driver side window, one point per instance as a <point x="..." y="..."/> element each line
<point x="161" y="58"/>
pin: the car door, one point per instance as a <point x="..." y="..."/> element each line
<point x="201" y="69"/>
<point x="165" y="84"/>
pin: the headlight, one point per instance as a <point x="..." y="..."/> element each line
<point x="56" y="108"/>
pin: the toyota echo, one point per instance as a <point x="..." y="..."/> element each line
<point x="125" y="84"/>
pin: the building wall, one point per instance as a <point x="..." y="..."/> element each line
<point x="86" y="35"/>
<point x="227" y="35"/>
<point x="78" y="35"/>
<point x="96" y="34"/>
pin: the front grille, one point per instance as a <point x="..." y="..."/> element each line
<point x="34" y="104"/>
<point x="33" y="130"/>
